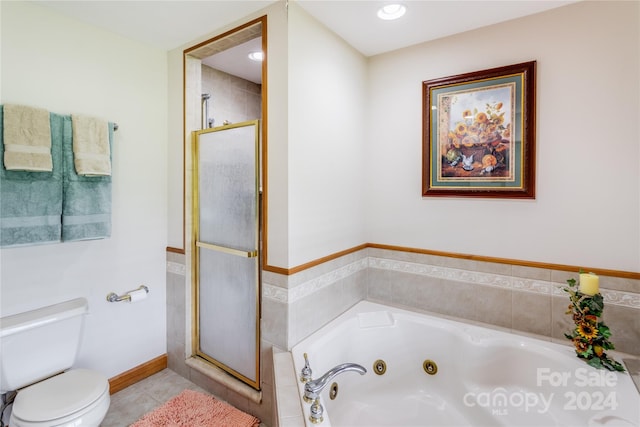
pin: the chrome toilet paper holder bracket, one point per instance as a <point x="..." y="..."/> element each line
<point x="113" y="297"/>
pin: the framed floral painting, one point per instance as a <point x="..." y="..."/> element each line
<point x="479" y="134"/>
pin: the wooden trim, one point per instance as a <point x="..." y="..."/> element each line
<point x="535" y="264"/>
<point x="175" y="250"/>
<point x="140" y="372"/>
<point x="294" y="270"/>
<point x="601" y="271"/>
<point x="259" y="20"/>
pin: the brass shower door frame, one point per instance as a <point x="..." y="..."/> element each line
<point x="198" y="245"/>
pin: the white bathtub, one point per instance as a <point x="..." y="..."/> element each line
<point x="484" y="377"/>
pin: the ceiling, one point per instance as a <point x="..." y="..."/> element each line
<point x="167" y="24"/>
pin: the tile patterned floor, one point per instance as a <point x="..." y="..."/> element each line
<point x="130" y="404"/>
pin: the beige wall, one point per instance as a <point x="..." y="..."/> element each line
<point x="588" y="142"/>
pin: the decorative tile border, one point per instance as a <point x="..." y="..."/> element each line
<point x="176" y="268"/>
<point x="288" y="296"/>
<point x="625" y="299"/>
<point x="275" y="293"/>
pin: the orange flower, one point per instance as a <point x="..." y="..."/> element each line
<point x="461" y="129"/>
<point x="498" y="105"/>
<point x="500" y="148"/>
<point x="489" y="160"/>
<point x="591" y="318"/>
<point x="481" y="118"/>
<point x="467" y="114"/>
<point x="580" y="345"/>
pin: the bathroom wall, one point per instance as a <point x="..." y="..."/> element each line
<point x="232" y="98"/>
<point x="588" y="142"/>
<point x="328" y="145"/>
<point x="55" y="62"/>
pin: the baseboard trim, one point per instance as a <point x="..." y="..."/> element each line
<point x="140" y="372"/>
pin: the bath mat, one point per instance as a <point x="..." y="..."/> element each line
<point x="194" y="409"/>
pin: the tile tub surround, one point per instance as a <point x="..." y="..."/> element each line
<point x="518" y="298"/>
<point x="521" y="299"/>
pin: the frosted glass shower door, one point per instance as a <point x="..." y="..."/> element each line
<point x="226" y="230"/>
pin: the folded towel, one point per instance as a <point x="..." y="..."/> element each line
<point x="31" y="202"/>
<point x="86" y="210"/>
<point x="91" y="150"/>
<point x="27" y="139"/>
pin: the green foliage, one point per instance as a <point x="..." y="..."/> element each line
<point x="590" y="335"/>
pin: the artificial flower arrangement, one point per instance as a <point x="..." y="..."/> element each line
<point x="590" y="335"/>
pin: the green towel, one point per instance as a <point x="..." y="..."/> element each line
<point x="31" y="202"/>
<point x="86" y="211"/>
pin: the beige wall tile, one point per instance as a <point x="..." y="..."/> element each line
<point x="624" y="323"/>
<point x="531" y="313"/>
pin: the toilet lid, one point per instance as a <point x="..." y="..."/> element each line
<point x="60" y="396"/>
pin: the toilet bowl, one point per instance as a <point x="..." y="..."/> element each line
<point x="38" y="349"/>
<point x="78" y="397"/>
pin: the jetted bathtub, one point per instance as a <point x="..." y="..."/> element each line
<point x="429" y="371"/>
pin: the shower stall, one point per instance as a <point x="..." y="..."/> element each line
<point x="227" y="247"/>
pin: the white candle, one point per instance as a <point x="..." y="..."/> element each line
<point x="589" y="284"/>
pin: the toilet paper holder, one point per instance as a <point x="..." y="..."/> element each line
<point x="113" y="297"/>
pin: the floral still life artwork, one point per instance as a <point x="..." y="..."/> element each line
<point x="590" y="336"/>
<point x="478" y="139"/>
<point x="479" y="133"/>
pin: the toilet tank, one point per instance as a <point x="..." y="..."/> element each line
<point x="40" y="343"/>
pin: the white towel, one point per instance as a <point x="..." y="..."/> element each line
<point x="91" y="151"/>
<point x="27" y="139"/>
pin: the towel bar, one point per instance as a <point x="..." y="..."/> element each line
<point x="113" y="297"/>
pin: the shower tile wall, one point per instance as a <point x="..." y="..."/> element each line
<point x="179" y="338"/>
<point x="232" y="98"/>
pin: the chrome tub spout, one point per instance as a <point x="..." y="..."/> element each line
<point x="313" y="388"/>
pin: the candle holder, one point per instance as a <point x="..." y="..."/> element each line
<point x="590" y="335"/>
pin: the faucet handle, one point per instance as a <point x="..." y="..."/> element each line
<point x="305" y="373"/>
<point x="316" y="411"/>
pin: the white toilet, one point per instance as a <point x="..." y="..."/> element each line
<point x="37" y="350"/>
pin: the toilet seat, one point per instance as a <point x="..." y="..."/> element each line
<point x="61" y="399"/>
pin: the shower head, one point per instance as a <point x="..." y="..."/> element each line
<point x="206" y="96"/>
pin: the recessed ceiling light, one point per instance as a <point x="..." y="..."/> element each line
<point x="391" y="11"/>
<point x="256" y="56"/>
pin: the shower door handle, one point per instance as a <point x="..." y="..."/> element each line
<point x="227" y="250"/>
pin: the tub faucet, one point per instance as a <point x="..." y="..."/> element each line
<point x="305" y="373"/>
<point x="313" y="388"/>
